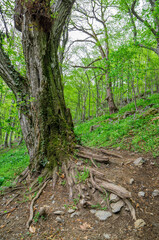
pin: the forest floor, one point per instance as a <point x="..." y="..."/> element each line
<point x="75" y="223"/>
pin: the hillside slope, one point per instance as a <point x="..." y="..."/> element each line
<point x="135" y="130"/>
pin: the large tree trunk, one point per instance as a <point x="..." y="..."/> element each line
<point x="46" y="123"/>
<point x="46" y="127"/>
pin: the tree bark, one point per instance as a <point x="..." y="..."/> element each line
<point x="46" y="123"/>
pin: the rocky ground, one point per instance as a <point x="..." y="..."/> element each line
<point x="65" y="220"/>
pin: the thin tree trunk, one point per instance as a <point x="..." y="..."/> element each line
<point x="11" y="133"/>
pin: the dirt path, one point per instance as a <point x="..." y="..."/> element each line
<point x="82" y="224"/>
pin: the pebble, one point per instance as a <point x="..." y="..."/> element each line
<point x="70" y="210"/>
<point x="139" y="161"/>
<point x="59" y="220"/>
<point x="93" y="211"/>
<point x="75" y="214"/>
<point x="155" y="193"/>
<point x="79" y="163"/>
<point x="139" y="223"/>
<point x="103" y="215"/>
<point x="59" y="213"/>
<point x="131" y="181"/>
<point x="114" y="197"/>
<point x="106" y="236"/>
<point x="116" y="207"/>
<point x="141" y="194"/>
<point x="52" y="197"/>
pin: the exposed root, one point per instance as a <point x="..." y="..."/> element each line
<point x="11" y="200"/>
<point x="131" y="208"/>
<point x="54" y="177"/>
<point x="110" y="154"/>
<point x="35" y="183"/>
<point x="4" y="213"/>
<point x="69" y="181"/>
<point x="93" y="163"/>
<point x="84" y="183"/>
<point x="33" y="201"/>
<point x="22" y="176"/>
<point x="90" y="156"/>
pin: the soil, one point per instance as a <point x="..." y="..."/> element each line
<point x="85" y="225"/>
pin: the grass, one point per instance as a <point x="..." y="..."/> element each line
<point x="12" y="163"/>
<point x="138" y="132"/>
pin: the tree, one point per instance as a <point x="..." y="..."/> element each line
<point x="44" y="119"/>
<point x="98" y="14"/>
<point x="148" y="18"/>
<point x="46" y="123"/>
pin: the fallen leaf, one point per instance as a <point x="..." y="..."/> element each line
<point x="137" y="205"/>
<point x="62" y="176"/>
<point x="2" y="226"/>
<point x="32" y="229"/>
<point x="85" y="226"/>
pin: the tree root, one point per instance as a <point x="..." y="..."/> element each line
<point x="11" y="200"/>
<point x="22" y="176"/>
<point x="33" y="201"/>
<point x="84" y="183"/>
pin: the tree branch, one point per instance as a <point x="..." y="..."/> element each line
<point x="12" y="78"/>
<point x="145" y="22"/>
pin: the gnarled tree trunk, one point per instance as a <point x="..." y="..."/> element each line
<point x="46" y="123"/>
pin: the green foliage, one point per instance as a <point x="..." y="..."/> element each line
<point x="40" y="179"/>
<point x="12" y="163"/>
<point x="136" y="132"/>
<point x="82" y="176"/>
<point x="98" y="206"/>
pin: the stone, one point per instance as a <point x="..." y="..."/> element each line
<point x="103" y="215"/>
<point x="79" y="163"/>
<point x="75" y="214"/>
<point x="59" y="213"/>
<point x="113" y="198"/>
<point x="139" y="223"/>
<point x="139" y="161"/>
<point x="131" y="181"/>
<point x="93" y="211"/>
<point x="106" y="236"/>
<point x="70" y="210"/>
<point x="118" y="148"/>
<point x="52" y="197"/>
<point x="116" y="207"/>
<point x="141" y="194"/>
<point x="59" y="220"/>
<point x="155" y="193"/>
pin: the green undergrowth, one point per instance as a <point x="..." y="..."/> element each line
<point x="137" y="132"/>
<point x="12" y="163"/>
